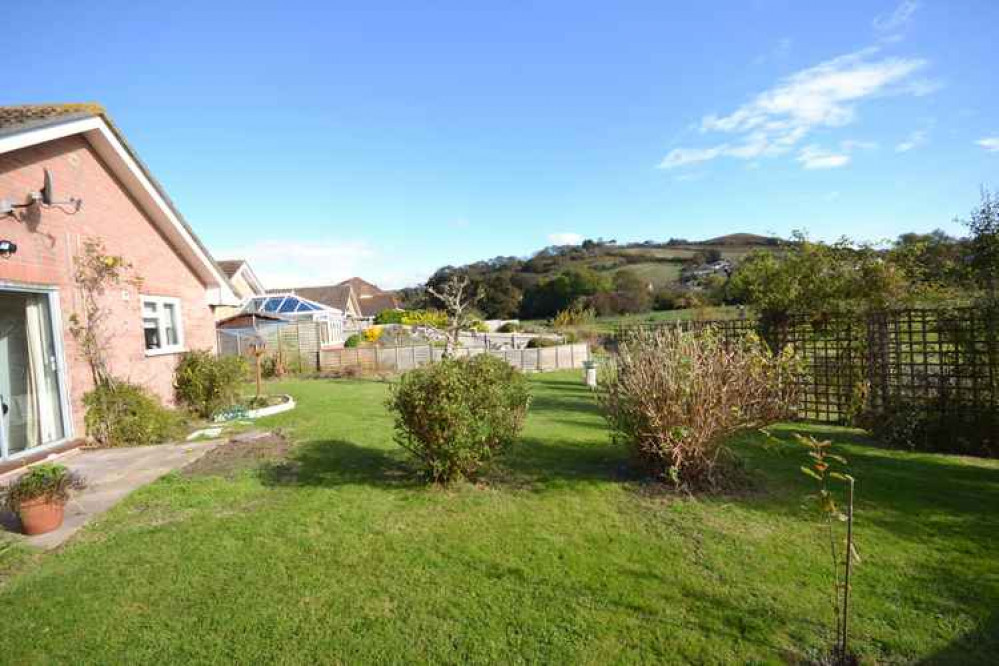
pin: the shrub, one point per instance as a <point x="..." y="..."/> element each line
<point x="574" y="316"/>
<point x="206" y="383"/>
<point x="509" y="327"/>
<point x="123" y="414"/>
<point x="353" y="341"/>
<point x="431" y="318"/>
<point x="268" y="367"/>
<point x="389" y="317"/>
<point x="675" y="396"/>
<point x="372" y="334"/>
<point x="456" y="415"/>
<point x="49" y="480"/>
<point x="479" y="326"/>
<point x="538" y="343"/>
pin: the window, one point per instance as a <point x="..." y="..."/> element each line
<point x="162" y="326"/>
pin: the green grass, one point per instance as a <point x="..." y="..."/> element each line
<point x="658" y="274"/>
<point x="558" y="556"/>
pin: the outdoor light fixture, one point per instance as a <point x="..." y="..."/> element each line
<point x="7" y="249"/>
<point x="45" y="196"/>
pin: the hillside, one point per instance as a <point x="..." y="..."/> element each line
<point x="659" y="264"/>
<point x="656" y="263"/>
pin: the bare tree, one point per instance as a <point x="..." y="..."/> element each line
<point x="458" y="297"/>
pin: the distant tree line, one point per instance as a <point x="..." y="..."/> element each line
<point x="798" y="274"/>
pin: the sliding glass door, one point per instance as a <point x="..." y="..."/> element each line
<point x="32" y="396"/>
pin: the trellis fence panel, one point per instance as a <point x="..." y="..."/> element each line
<point x="942" y="361"/>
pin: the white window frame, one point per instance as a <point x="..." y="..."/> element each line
<point x="159" y="302"/>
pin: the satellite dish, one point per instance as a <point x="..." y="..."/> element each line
<point x="47" y="194"/>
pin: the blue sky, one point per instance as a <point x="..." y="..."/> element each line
<point x="322" y="140"/>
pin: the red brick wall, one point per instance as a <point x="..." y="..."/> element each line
<point x="48" y="240"/>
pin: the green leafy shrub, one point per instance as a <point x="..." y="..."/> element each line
<point x="431" y="318"/>
<point x="206" y="383"/>
<point x="538" y="343"/>
<point x="123" y="414"/>
<point x="44" y="480"/>
<point x="574" y="316"/>
<point x="675" y="397"/>
<point x="268" y="367"/>
<point x="389" y="317"/>
<point x="456" y="415"/>
<point x="353" y="341"/>
<point x="509" y="327"/>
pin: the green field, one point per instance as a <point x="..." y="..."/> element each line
<point x="559" y="555"/>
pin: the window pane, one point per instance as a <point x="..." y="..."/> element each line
<point x="170" y="324"/>
<point x="151" y="330"/>
<point x="273" y="304"/>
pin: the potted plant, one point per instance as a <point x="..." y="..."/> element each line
<point x="39" y="496"/>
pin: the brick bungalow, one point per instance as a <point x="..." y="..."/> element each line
<point x="43" y="377"/>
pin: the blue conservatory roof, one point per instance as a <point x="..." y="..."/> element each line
<point x="285" y="304"/>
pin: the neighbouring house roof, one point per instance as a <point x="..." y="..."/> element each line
<point x="362" y="288"/>
<point x="235" y="267"/>
<point x="230" y="266"/>
<point x="339" y="296"/>
<point x="372" y="305"/>
<point x="249" y="320"/>
<point x="31" y="124"/>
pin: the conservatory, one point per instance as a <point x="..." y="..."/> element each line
<point x="295" y="308"/>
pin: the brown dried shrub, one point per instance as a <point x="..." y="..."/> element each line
<point x="675" y="397"/>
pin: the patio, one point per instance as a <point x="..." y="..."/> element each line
<point x="111" y="474"/>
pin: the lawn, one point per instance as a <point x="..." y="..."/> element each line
<point x="557" y="556"/>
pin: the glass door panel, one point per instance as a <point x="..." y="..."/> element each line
<point x="30" y="397"/>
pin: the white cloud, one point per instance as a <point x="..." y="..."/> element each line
<point x="914" y="140"/>
<point x="815" y="157"/>
<point x="565" y="238"/>
<point x="681" y="156"/>
<point x="821" y="97"/>
<point x="990" y="143"/>
<point x="898" y="20"/>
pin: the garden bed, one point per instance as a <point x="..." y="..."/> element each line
<point x="254" y="408"/>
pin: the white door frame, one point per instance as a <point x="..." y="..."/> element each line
<point x="62" y="375"/>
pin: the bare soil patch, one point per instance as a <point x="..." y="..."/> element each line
<point x="242" y="452"/>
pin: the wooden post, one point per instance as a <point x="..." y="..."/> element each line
<point x="258" y="352"/>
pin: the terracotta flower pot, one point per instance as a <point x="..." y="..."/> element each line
<point x="41" y="515"/>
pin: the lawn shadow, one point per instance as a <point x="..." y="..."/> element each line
<point x="897" y="491"/>
<point x="535" y="462"/>
<point x="331" y="463"/>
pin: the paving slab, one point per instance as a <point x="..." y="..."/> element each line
<point x="111" y="474"/>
